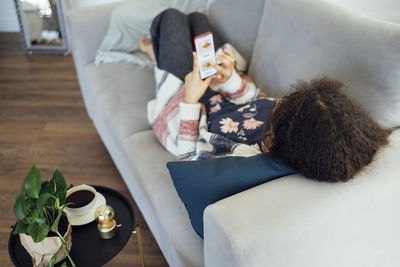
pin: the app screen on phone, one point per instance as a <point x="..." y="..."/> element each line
<point x="206" y="54"/>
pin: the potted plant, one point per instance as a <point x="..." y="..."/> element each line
<point x="44" y="229"/>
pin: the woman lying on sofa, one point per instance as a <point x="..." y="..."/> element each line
<point x="316" y="130"/>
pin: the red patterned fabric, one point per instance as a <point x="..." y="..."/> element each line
<point x="189" y="128"/>
<point x="160" y="125"/>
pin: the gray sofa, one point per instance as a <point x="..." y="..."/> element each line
<point x="292" y="221"/>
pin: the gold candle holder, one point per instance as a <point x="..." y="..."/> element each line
<point x="107" y="225"/>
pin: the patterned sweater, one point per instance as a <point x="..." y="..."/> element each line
<point x="234" y="111"/>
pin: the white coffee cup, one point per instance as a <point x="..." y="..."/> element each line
<point x="86" y="208"/>
<point x="85" y="214"/>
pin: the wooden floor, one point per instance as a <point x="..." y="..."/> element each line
<point x="43" y="121"/>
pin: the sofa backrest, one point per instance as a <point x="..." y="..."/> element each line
<point x="304" y="39"/>
<point x="237" y="22"/>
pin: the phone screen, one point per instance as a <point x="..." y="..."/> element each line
<point x="204" y="45"/>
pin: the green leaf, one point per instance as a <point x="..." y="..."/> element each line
<point x="64" y="264"/>
<point x="38" y="231"/>
<point x="20" y="228"/>
<point x="32" y="183"/>
<point x="62" y="196"/>
<point x="34" y="216"/>
<point x="61" y="186"/>
<point x="19" y="206"/>
<point x="48" y="187"/>
<point x="41" y="202"/>
<point x="28" y="204"/>
<point x="42" y="219"/>
<point x="57" y="204"/>
<point x="60" y="181"/>
<point x="54" y="226"/>
<point x="52" y="261"/>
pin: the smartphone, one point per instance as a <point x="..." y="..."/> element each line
<point x="204" y="45"/>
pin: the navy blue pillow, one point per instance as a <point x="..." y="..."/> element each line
<point x="201" y="183"/>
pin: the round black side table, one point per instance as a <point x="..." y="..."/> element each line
<point x="88" y="248"/>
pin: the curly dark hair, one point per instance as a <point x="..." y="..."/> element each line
<point x="321" y="133"/>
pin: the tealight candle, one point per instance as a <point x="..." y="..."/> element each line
<point x="107" y="225"/>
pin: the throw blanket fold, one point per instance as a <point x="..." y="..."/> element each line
<point x="133" y="19"/>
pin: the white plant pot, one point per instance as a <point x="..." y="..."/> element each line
<point x="42" y="251"/>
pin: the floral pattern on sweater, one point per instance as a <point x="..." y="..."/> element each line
<point x="229" y="119"/>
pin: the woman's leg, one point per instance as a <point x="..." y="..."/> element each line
<point x="172" y="42"/>
<point x="172" y="34"/>
<point x="200" y="24"/>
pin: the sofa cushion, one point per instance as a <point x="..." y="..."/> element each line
<point x="293" y="221"/>
<point x="148" y="160"/>
<point x="204" y="182"/>
<point x="303" y="39"/>
<point x="119" y="93"/>
<point x="237" y="22"/>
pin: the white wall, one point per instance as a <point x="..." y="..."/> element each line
<point x="381" y="9"/>
<point x="87" y="3"/>
<point x="8" y="16"/>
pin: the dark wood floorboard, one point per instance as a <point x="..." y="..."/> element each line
<point x="43" y="121"/>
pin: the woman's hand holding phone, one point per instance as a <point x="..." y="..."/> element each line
<point x="226" y="69"/>
<point x="195" y="86"/>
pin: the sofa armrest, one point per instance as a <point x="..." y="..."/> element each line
<point x="86" y="30"/>
<point x="293" y="221"/>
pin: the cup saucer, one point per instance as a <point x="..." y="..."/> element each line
<point x="87" y="217"/>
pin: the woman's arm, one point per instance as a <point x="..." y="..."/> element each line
<point x="238" y="88"/>
<point x="189" y="112"/>
<point x="195" y="86"/>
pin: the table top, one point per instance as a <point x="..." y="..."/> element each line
<point x="88" y="248"/>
